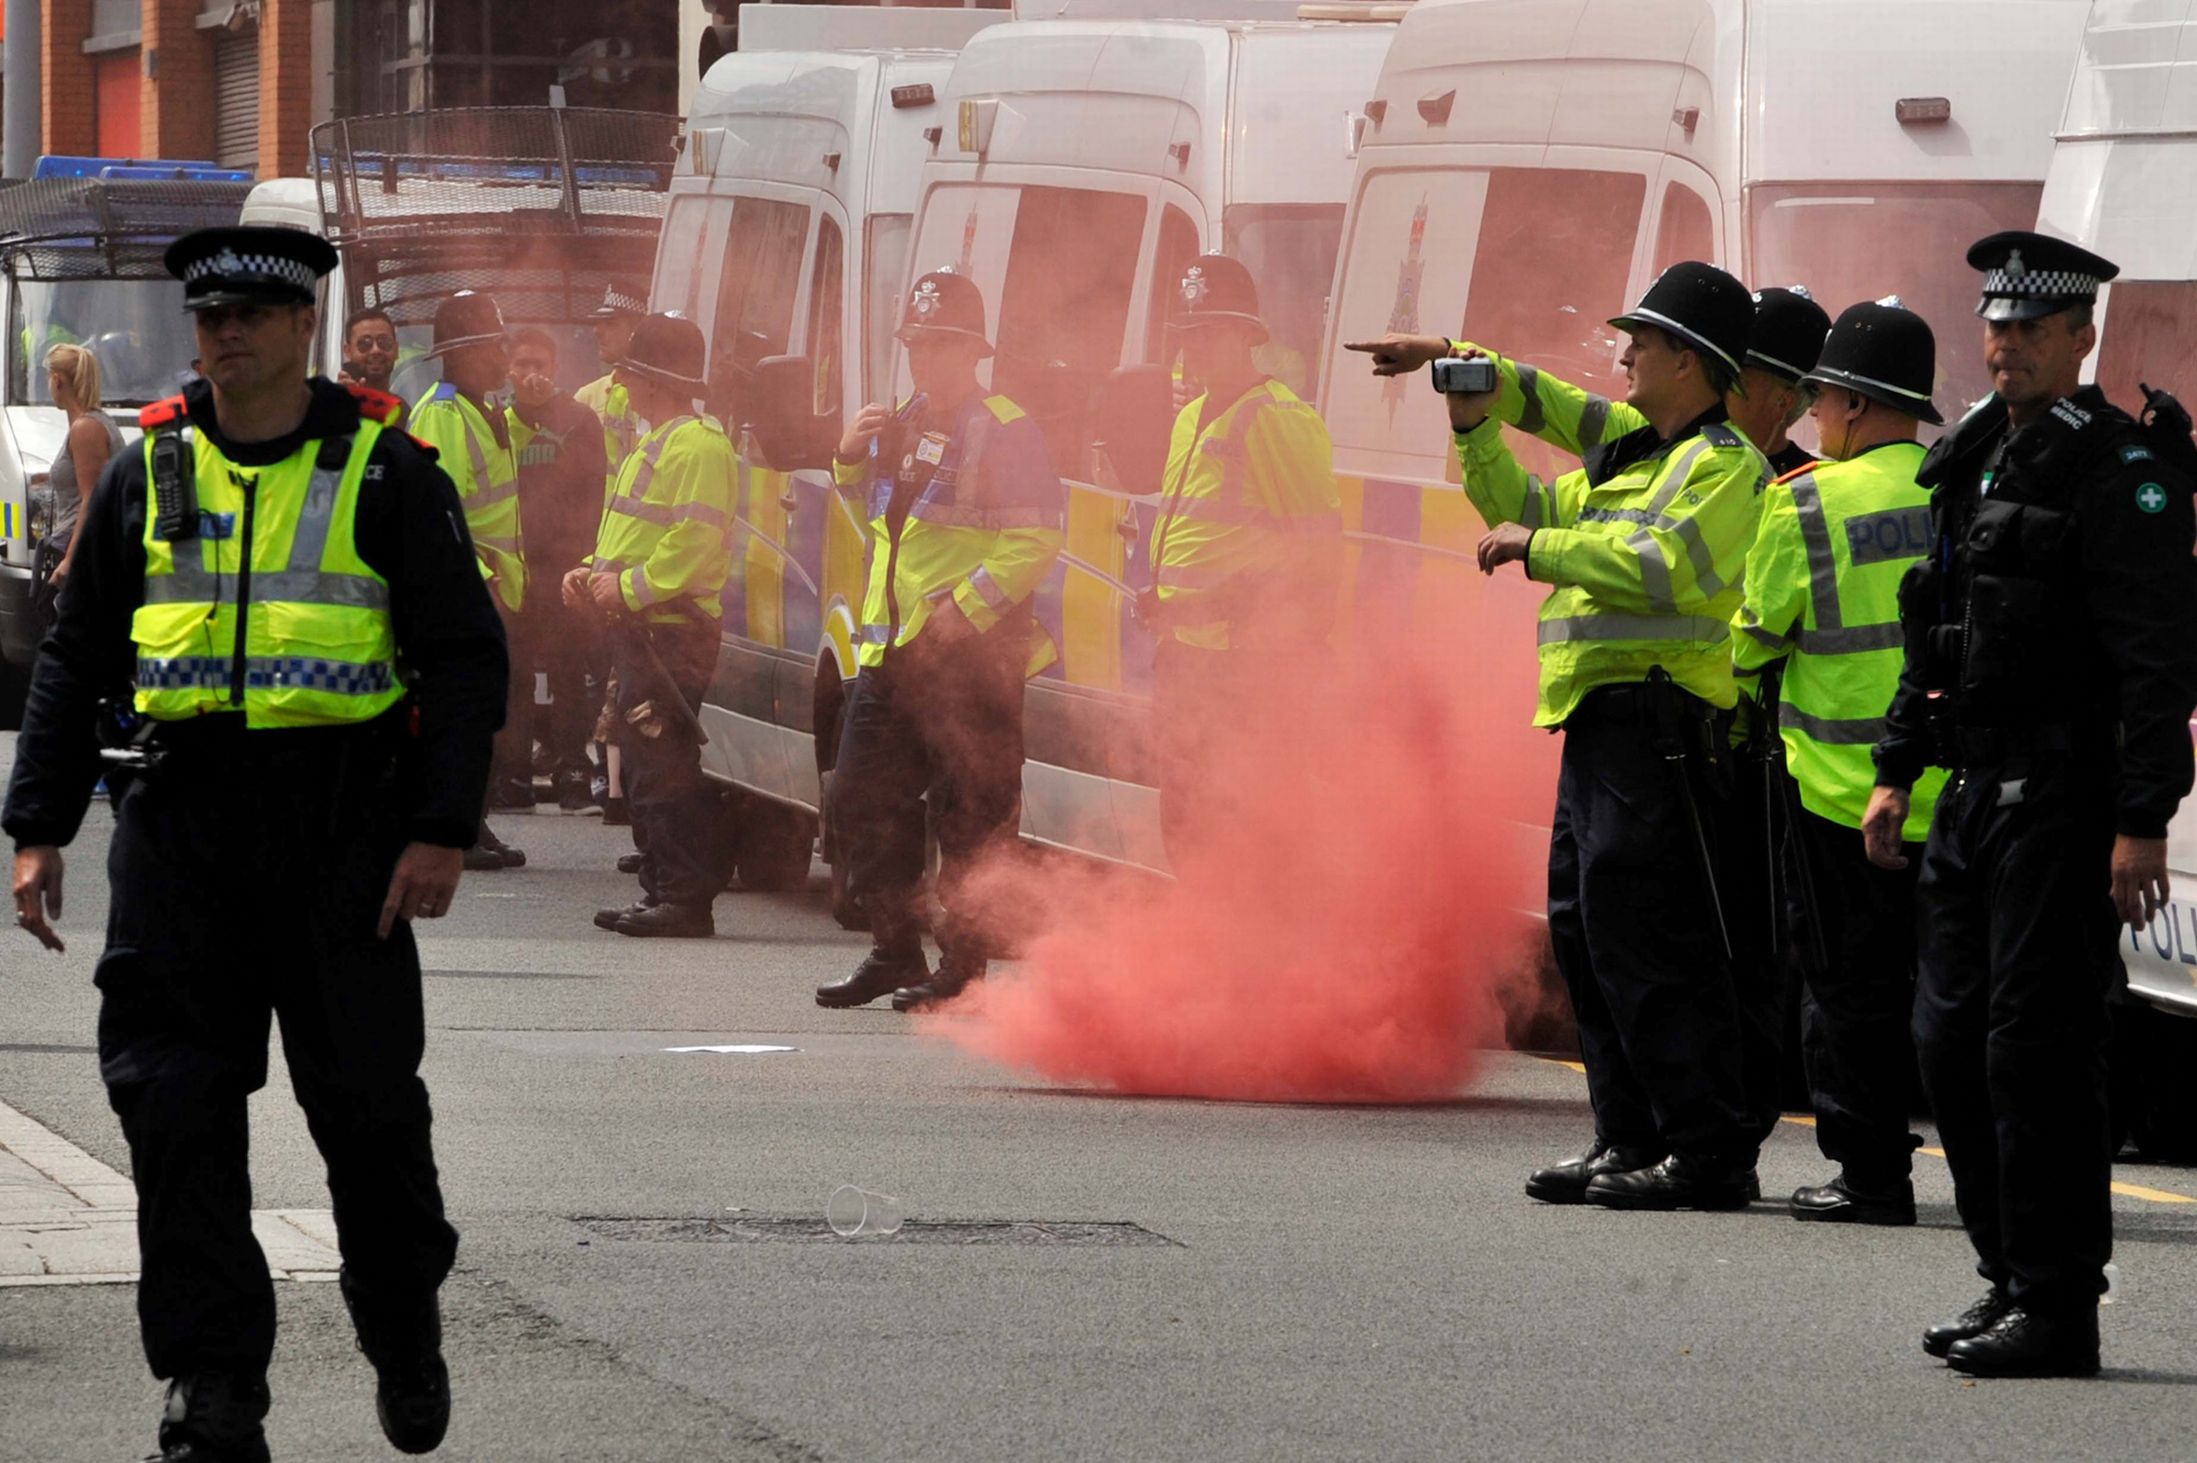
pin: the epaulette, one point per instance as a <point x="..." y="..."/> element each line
<point x="165" y="412"/>
<point x="375" y="405"/>
<point x="434" y="454"/>
<point x="1716" y="434"/>
<point x="443" y="391"/>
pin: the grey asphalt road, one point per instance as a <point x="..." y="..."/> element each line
<point x="1303" y="1282"/>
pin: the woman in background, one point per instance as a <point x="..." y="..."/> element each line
<point x="72" y="377"/>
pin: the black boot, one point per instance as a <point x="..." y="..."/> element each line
<point x="881" y="972"/>
<point x="214" y="1417"/>
<point x="404" y="1342"/>
<point x="1680" y="1181"/>
<point x="629" y="863"/>
<point x="1566" y="1182"/>
<point x="1974" y="1321"/>
<point x="1843" y="1201"/>
<point x="2028" y="1343"/>
<point x="607" y="919"/>
<point x="667" y="921"/>
<point x="954" y="975"/>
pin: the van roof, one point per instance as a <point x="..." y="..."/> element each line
<point x="2137" y="72"/>
<point x="1250" y="110"/>
<point x="1685" y="76"/>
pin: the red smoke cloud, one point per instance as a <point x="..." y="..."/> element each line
<point x="1367" y="924"/>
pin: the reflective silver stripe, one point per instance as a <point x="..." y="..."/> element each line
<point x="1697" y="628"/>
<point x="1531" y="416"/>
<point x="658" y="513"/>
<point x="1655" y="570"/>
<point x="1764" y="636"/>
<point x="1213" y="510"/>
<point x="991" y="519"/>
<point x="1676" y="477"/>
<point x="1860" y="731"/>
<point x="644" y="593"/>
<point x="1851" y="639"/>
<point x="647" y="470"/>
<point x="488" y="495"/>
<point x="497" y="542"/>
<point x="877" y="634"/>
<point x="1191" y="576"/>
<point x="1815" y="533"/>
<point x="987" y="588"/>
<point x="1594" y="419"/>
<point x="317" y="515"/>
<point x="277" y="586"/>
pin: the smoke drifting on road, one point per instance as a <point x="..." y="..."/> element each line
<point x="1358" y="924"/>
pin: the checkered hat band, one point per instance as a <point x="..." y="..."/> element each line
<point x="2041" y="284"/>
<point x="618" y="299"/>
<point x="243" y="267"/>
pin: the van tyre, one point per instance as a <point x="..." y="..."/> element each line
<point x="2154" y="1082"/>
<point x="775" y="846"/>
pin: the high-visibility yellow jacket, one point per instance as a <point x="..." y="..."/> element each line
<point x="622" y="430"/>
<point x="1529" y="398"/>
<point x="1822" y="594"/>
<point x="305" y="639"/>
<point x="972" y="513"/>
<point x="667" y="533"/>
<point x="1645" y="556"/>
<point x="487" y="476"/>
<point x="1249" y="536"/>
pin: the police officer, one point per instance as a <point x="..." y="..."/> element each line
<point x="1773" y="380"/>
<point x="614" y="321"/>
<point x="656" y="580"/>
<point x="1822" y="608"/>
<point x="1643" y="548"/>
<point x="473" y="437"/>
<point x="1245" y="556"/>
<point x="313" y="651"/>
<point x="965" y="523"/>
<point x="2051" y="663"/>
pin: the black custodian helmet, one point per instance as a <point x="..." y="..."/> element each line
<point x="1702" y="306"/>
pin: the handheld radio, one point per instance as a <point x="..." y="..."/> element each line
<point x="175" y="488"/>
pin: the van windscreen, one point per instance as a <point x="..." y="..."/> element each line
<point x="1290" y="251"/>
<point x="1862" y="241"/>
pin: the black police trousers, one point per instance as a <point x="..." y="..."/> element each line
<point x="1857" y="1007"/>
<point x="1635" y="935"/>
<point x="248" y="871"/>
<point x="2019" y="959"/>
<point x="679" y="822"/>
<point x="1764" y="987"/>
<point x="940" y="728"/>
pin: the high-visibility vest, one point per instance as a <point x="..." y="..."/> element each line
<point x="487" y="476"/>
<point x="1646" y="564"/>
<point x="1823" y="595"/>
<point x="622" y="429"/>
<point x="983" y="527"/>
<point x="667" y="533"/>
<point x="1250" y="524"/>
<point x="305" y="638"/>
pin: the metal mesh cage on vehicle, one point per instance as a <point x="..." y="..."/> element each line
<point x="88" y="228"/>
<point x="544" y="207"/>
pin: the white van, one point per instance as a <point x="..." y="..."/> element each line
<point x="2124" y="183"/>
<point x="80" y="252"/>
<point x="1072" y="168"/>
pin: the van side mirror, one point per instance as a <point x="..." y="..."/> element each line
<point x="780" y="396"/>
<point x="1136" y="421"/>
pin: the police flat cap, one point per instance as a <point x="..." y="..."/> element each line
<point x="249" y="265"/>
<point x="2027" y="276"/>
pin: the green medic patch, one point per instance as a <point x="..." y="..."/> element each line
<point x="2151" y="498"/>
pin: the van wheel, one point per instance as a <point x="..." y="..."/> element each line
<point x="15" y="688"/>
<point x="775" y="847"/>
<point x="2154" y="1089"/>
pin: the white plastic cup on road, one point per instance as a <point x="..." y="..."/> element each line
<point x="853" y="1212"/>
<point x="2116" y="1288"/>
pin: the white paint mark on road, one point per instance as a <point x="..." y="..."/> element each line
<point x="68" y="1219"/>
<point x="743" y="1050"/>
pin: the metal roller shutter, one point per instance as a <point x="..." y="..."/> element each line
<point x="236" y="100"/>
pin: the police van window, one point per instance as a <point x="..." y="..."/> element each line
<point x="132" y="325"/>
<point x="1290" y="251"/>
<point x="1862" y="241"/>
<point x="887" y="277"/>
<point x="679" y="258"/>
<point x="1551" y="266"/>
<point x="1684" y="231"/>
<point x="825" y="282"/>
<point x="755" y="296"/>
<point x="1177" y="247"/>
<point x="2148" y="336"/>
<point x="1064" y="305"/>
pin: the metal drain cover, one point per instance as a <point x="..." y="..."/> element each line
<point x="787" y="1229"/>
